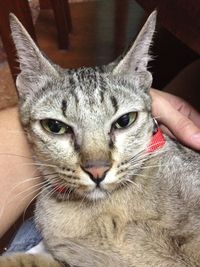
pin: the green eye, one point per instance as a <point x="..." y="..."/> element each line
<point x="125" y="120"/>
<point x="54" y="126"/>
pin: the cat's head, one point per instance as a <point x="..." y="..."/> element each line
<point x="90" y="127"/>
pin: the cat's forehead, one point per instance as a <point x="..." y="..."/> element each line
<point x="93" y="82"/>
<point x="84" y="78"/>
<point x="87" y="90"/>
<point x="90" y="80"/>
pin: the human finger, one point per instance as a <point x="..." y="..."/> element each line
<point x="183" y="128"/>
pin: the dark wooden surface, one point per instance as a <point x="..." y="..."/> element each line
<point x="63" y="21"/>
<point x="22" y="11"/>
<point x="180" y="17"/>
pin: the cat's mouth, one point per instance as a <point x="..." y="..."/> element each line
<point x="65" y="192"/>
<point x="97" y="193"/>
<point x="81" y="186"/>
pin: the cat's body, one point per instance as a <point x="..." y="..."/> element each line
<point x="108" y="199"/>
<point x="156" y="224"/>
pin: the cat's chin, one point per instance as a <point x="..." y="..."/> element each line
<point x="96" y="194"/>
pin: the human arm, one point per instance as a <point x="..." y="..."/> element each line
<point x="18" y="177"/>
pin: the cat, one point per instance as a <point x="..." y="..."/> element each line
<point x="117" y="191"/>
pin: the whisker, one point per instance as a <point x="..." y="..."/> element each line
<point x="36" y="196"/>
<point x="48" y="185"/>
<point x="28" y="180"/>
<point x="15" y="155"/>
<point x="27" y="190"/>
<point x="12" y="131"/>
<point x="51" y="192"/>
<point x="138" y="156"/>
<point x="39" y="164"/>
<point x="157" y="117"/>
<point x="6" y="202"/>
<point x="155" y="166"/>
<point x="40" y="185"/>
<point x="121" y="169"/>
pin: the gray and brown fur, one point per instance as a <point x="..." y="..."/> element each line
<point x="147" y="213"/>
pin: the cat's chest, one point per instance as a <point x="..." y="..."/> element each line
<point x="75" y="220"/>
<point x="61" y="219"/>
<point x="104" y="221"/>
<point x="108" y="228"/>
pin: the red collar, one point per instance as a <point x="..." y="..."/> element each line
<point x="157" y="141"/>
<point x="60" y="189"/>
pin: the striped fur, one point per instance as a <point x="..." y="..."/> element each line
<point x="146" y="210"/>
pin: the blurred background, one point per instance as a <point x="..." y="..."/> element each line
<point x="97" y="31"/>
<point x="76" y="33"/>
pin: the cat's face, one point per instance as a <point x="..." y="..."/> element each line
<point x="89" y="128"/>
<point x="90" y="118"/>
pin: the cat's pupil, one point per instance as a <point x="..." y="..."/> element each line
<point x="54" y="126"/>
<point x="124" y="120"/>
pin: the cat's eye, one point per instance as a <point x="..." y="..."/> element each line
<point x="55" y="127"/>
<point x="126" y="120"/>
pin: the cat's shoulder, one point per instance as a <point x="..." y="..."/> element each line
<point x="179" y="154"/>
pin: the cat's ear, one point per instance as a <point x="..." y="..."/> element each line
<point x="33" y="65"/>
<point x="136" y="59"/>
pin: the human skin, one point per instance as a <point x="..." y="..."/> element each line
<point x="19" y="179"/>
<point x="179" y="118"/>
<point x="18" y="184"/>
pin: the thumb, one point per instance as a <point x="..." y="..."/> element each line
<point x="182" y="127"/>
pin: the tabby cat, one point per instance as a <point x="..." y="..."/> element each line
<point x="117" y="193"/>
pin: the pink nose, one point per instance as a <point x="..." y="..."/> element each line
<point x="96" y="173"/>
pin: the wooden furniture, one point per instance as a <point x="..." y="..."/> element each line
<point x="180" y="17"/>
<point x="22" y="10"/>
<point x="62" y="19"/>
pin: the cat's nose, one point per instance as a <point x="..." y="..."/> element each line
<point x="96" y="170"/>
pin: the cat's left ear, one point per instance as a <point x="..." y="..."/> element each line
<point x="136" y="60"/>
<point x="35" y="67"/>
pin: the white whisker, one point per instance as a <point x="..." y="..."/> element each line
<point x="15" y="155"/>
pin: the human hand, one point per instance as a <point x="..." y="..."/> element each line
<point x="177" y="118"/>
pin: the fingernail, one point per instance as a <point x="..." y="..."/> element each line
<point x="196" y="138"/>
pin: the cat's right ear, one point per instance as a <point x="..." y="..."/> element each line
<point x="35" y="68"/>
<point x="134" y="63"/>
